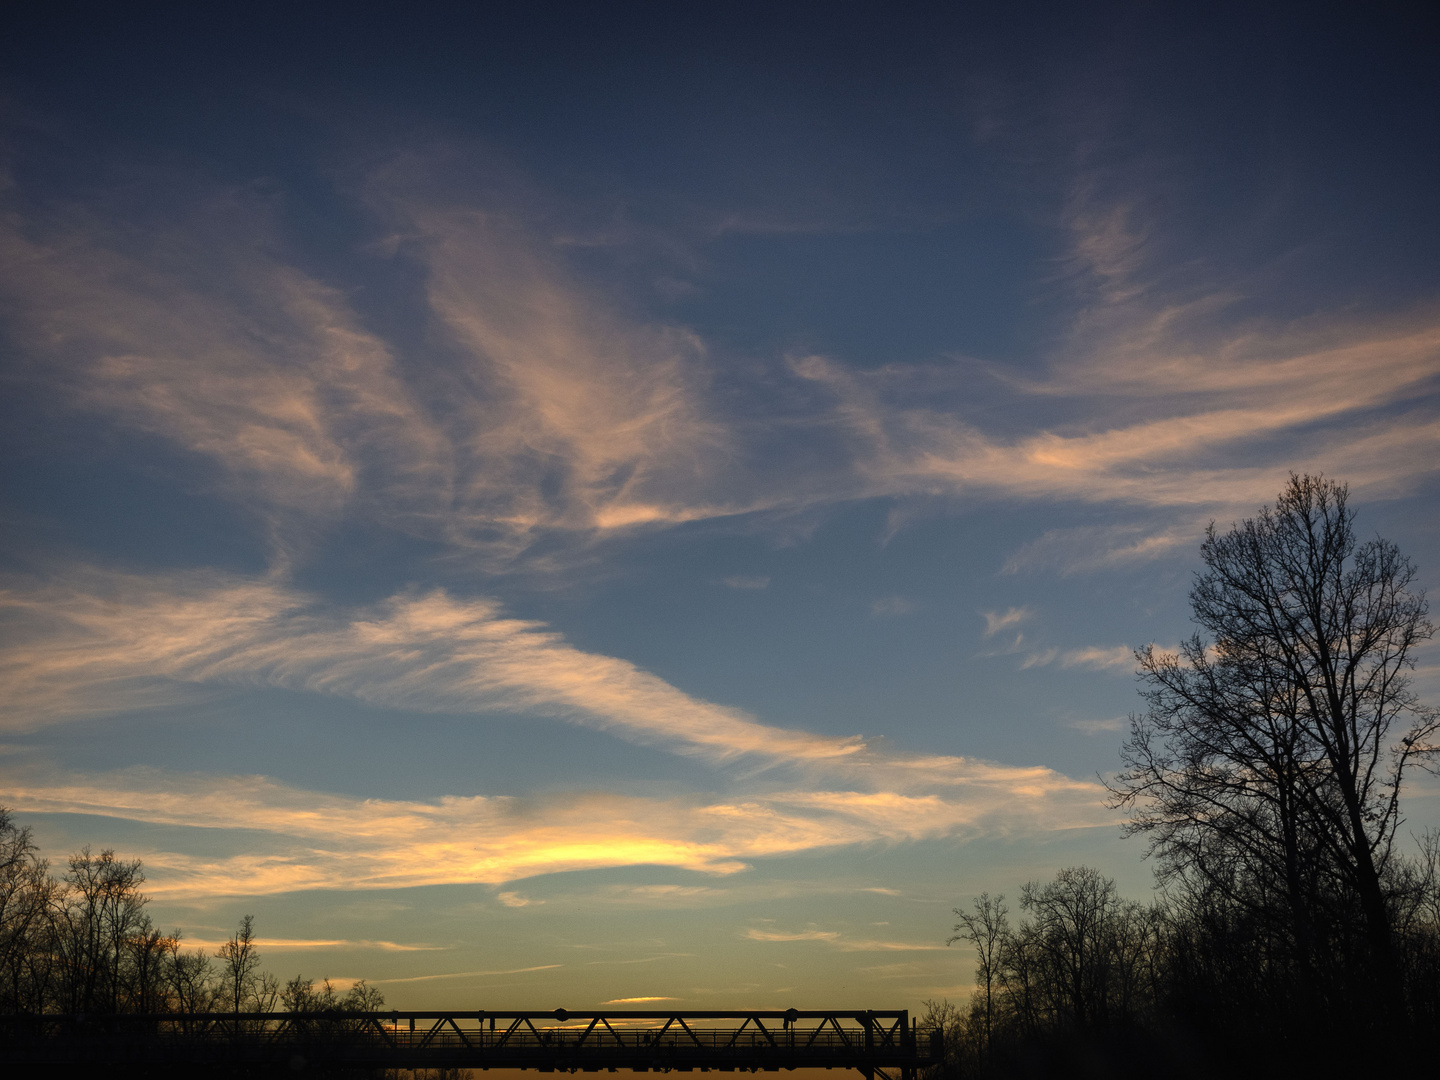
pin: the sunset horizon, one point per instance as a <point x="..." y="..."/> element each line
<point x="650" y="507"/>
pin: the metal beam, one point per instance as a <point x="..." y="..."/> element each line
<point x="877" y="1043"/>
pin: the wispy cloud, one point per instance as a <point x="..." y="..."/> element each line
<point x="289" y="944"/>
<point x="757" y="934"/>
<point x="125" y="638"/>
<point x="515" y="899"/>
<point x="663" y="894"/>
<point x="127" y="641"/>
<point x="637" y="1000"/>
<point x="468" y="974"/>
<point x="996" y="622"/>
<point x="841" y="941"/>
<point x="874" y="945"/>
<point x="1099" y="658"/>
<point x="1101" y="547"/>
<point x="301" y="840"/>
<point x="639" y="959"/>
<point x="572" y="416"/>
<point x="1208" y="450"/>
<point x="1162" y="395"/>
<point x="1116" y="658"/>
<point x="1098" y="727"/>
<point x="549" y="411"/>
<point x="105" y="642"/>
<point x="741" y="581"/>
<point x="87" y="649"/>
<point x="250" y="366"/>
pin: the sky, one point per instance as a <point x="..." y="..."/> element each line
<point x="564" y="505"/>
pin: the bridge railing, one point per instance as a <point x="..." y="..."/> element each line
<point x="868" y="1040"/>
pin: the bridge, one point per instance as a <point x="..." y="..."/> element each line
<point x="880" y="1044"/>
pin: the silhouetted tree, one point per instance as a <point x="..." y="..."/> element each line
<point x="1267" y="764"/>
<point x="240" y="963"/>
<point x="26" y="896"/>
<point x="986" y="927"/>
<point x="193" y="984"/>
<point x="302" y="995"/>
<point x="362" y="997"/>
<point x="83" y="943"/>
<point x="957" y="1036"/>
<point x="148" y="953"/>
<point x="1081" y="967"/>
<point x="101" y="910"/>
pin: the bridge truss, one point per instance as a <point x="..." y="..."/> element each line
<point x="881" y="1045"/>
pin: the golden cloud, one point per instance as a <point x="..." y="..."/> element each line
<point x="317" y="841"/>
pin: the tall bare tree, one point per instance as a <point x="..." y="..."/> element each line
<point x="191" y="976"/>
<point x="985" y="927"/>
<point x="1076" y="918"/>
<point x="240" y="965"/>
<point x="1277" y="741"/>
<point x="102" y="908"/>
<point x="27" y="895"/>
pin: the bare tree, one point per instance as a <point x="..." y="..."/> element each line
<point x="147" y="955"/>
<point x="191" y="978"/>
<point x="1277" y="743"/>
<point x="265" y="992"/>
<point x="1075" y="918"/>
<point x="985" y="927"/>
<point x="27" y="893"/>
<point x="301" y="995"/>
<point x="240" y="965"/>
<point x="83" y="943"/>
<point x="362" y="997"/>
<point x="102" y="909"/>
<point x="943" y="1022"/>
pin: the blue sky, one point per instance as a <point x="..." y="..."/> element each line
<point x="587" y="504"/>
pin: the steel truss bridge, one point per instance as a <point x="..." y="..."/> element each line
<point x="881" y="1045"/>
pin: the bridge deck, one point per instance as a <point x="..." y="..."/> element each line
<point x="873" y="1042"/>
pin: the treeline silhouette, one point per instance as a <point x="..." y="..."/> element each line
<point x="1199" y="982"/>
<point x="1266" y="773"/>
<point x="81" y="941"/>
